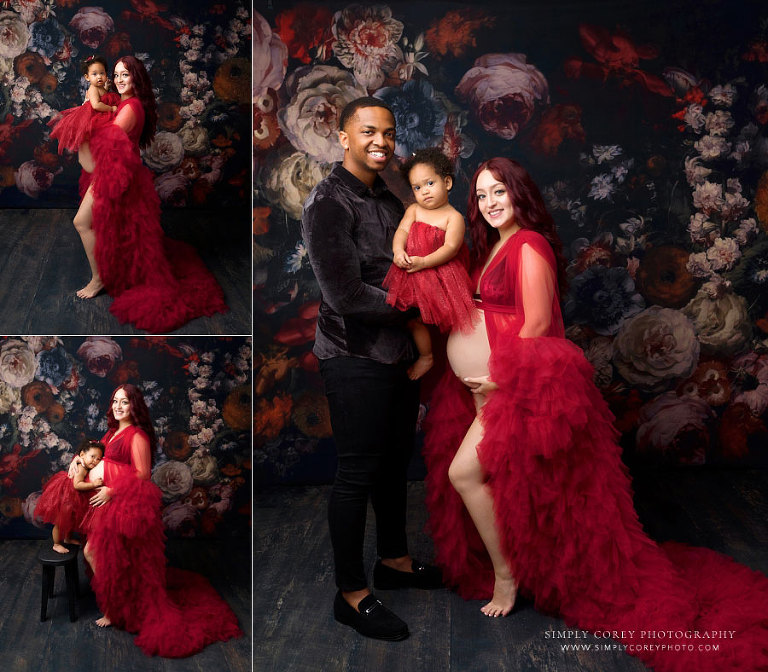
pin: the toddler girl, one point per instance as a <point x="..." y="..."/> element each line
<point x="73" y="126"/>
<point x="430" y="257"/>
<point x="64" y="502"/>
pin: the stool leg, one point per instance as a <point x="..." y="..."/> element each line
<point x="48" y="574"/>
<point x="70" y="572"/>
<point x="77" y="578"/>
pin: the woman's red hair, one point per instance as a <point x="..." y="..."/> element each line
<point x="139" y="414"/>
<point x="142" y="86"/>
<point x="530" y="213"/>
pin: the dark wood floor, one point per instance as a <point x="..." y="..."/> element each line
<point x="42" y="265"/>
<point x="58" y="645"/>
<point x="294" y="586"/>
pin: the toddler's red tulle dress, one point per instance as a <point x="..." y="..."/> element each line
<point x="60" y="504"/>
<point x="157" y="283"/>
<point x="74" y="125"/>
<point x="563" y="501"/>
<point x="441" y="293"/>
<point x="175" y="613"/>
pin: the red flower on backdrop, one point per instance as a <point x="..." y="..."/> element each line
<point x="9" y="132"/>
<point x="454" y="34"/>
<point x="306" y="28"/>
<point x="298" y="330"/>
<point x="617" y="56"/>
<point x="757" y="51"/>
<point x="12" y="464"/>
<point x="736" y="426"/>
<point x="558" y="123"/>
<point x="149" y="12"/>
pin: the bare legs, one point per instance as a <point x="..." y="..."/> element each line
<point x="104" y="621"/>
<point x="423" y="342"/>
<point x="466" y="476"/>
<point x="83" y="224"/>
<point x="57" y="545"/>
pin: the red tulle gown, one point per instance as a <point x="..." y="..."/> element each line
<point x="157" y="283"/>
<point x="441" y="293"/>
<point x="175" y="613"/>
<point x="60" y="504"/>
<point x="74" y="125"/>
<point x="563" y="500"/>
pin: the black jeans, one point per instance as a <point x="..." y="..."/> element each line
<point x="373" y="410"/>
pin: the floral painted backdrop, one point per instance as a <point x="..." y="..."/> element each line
<point x="197" y="54"/>
<point x="54" y="392"/>
<point x="644" y="124"/>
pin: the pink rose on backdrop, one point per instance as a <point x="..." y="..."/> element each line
<point x="172" y="188"/>
<point x="503" y="91"/>
<point x="675" y="427"/>
<point x="270" y="58"/>
<point x="32" y="178"/>
<point x="180" y="518"/>
<point x="310" y="119"/>
<point x="100" y="354"/>
<point x="366" y="42"/>
<point x="656" y="347"/>
<point x="752" y="371"/>
<point x="174" y="479"/>
<point x="92" y="25"/>
<point x="14" y="35"/>
<point x="17" y="363"/>
<point x="165" y="153"/>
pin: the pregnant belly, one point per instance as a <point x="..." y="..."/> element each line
<point x="96" y="472"/>
<point x="468" y="353"/>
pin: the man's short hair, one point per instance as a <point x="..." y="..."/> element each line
<point x="354" y="105"/>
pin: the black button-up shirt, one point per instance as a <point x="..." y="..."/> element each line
<point x="348" y="229"/>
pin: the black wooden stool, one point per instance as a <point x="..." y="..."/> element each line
<point x="50" y="560"/>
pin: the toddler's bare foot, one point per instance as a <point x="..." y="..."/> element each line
<point x="104" y="622"/>
<point x="94" y="287"/>
<point x="503" y="600"/>
<point x="420" y="367"/>
<point x="60" y="549"/>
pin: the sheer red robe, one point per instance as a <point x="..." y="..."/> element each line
<point x="175" y="613"/>
<point x="157" y="283"/>
<point x="563" y="498"/>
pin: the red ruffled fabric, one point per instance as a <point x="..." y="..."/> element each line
<point x="157" y="283"/>
<point x="74" y="125"/>
<point x="564" y="511"/>
<point x="175" y="613"/>
<point x="443" y="293"/>
<point x="60" y="504"/>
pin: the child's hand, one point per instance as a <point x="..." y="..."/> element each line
<point x="76" y="462"/>
<point x="97" y="482"/>
<point x="402" y="260"/>
<point x="417" y="264"/>
<point x="114" y="108"/>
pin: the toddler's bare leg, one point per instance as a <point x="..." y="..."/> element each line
<point x="423" y="342"/>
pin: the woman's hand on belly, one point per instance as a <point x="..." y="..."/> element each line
<point x="102" y="496"/>
<point x="482" y="385"/>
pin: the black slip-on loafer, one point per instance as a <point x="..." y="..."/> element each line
<point x="372" y="620"/>
<point x="423" y="576"/>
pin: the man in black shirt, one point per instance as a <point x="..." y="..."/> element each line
<point x="364" y="349"/>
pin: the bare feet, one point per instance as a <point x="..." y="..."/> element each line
<point x="503" y="600"/>
<point x="93" y="288"/>
<point x="104" y="622"/>
<point x="420" y="367"/>
<point x="60" y="549"/>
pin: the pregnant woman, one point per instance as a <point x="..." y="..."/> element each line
<point x="526" y="487"/>
<point x="157" y="283"/>
<point x="175" y="613"/>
